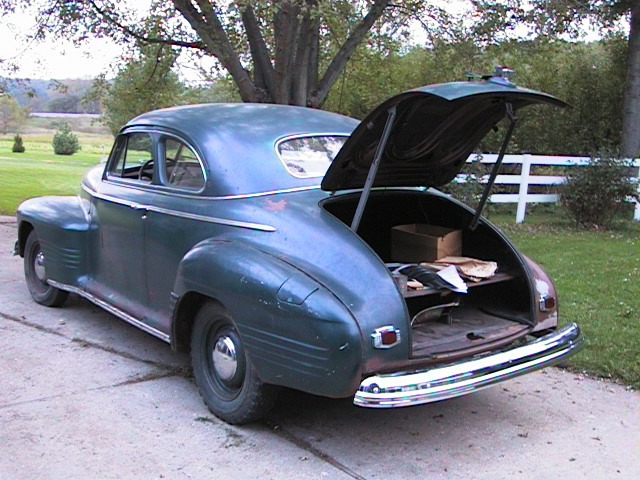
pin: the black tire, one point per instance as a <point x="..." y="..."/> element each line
<point x="36" y="277"/>
<point x="224" y="374"/>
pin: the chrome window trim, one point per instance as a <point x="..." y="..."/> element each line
<point x="298" y="136"/>
<point x="112" y="309"/>
<point x="176" y="213"/>
<point x="110" y="164"/>
<point x="108" y="176"/>
<point x="202" y="169"/>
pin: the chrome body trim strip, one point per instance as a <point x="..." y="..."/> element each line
<point x="111" y="309"/>
<point x="205" y="218"/>
<point x="87" y="214"/>
<point x="266" y="194"/>
<point x="175" y="213"/>
<point x="147" y="188"/>
<point x="442" y="382"/>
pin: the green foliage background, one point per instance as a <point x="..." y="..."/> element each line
<point x="588" y="76"/>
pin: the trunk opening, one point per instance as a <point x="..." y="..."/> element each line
<point x="446" y="325"/>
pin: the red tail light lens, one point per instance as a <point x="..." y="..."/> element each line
<point x="385" y="337"/>
<point x="547" y="303"/>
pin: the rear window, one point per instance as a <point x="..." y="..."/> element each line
<point x="310" y="156"/>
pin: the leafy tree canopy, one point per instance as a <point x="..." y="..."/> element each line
<point x="12" y="115"/>
<point x="287" y="51"/>
<point x="146" y="82"/>
<point x="551" y="17"/>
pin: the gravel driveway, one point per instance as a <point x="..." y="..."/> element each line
<point x="84" y="395"/>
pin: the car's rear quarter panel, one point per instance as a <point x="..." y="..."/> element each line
<point x="311" y="343"/>
<point x="318" y="244"/>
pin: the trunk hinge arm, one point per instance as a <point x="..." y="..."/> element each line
<point x="373" y="170"/>
<point x="496" y="167"/>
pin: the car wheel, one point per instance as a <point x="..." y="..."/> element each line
<point x="36" y="276"/>
<point x="224" y="374"/>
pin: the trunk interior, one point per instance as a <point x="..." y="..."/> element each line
<point x="445" y="324"/>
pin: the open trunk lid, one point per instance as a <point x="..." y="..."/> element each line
<point x="431" y="132"/>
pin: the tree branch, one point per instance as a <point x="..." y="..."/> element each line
<point x="344" y="53"/>
<point x="209" y="28"/>
<point x="143" y="38"/>
<point x="259" y="51"/>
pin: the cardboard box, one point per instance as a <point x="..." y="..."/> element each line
<point x="418" y="242"/>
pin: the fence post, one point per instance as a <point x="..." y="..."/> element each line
<point x="524" y="188"/>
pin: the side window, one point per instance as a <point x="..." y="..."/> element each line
<point x="134" y="158"/>
<point x="182" y="167"/>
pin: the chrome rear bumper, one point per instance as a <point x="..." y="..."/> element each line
<point x="451" y="380"/>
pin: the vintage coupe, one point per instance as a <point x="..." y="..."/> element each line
<point x="258" y="237"/>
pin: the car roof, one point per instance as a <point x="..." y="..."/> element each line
<point x="238" y="140"/>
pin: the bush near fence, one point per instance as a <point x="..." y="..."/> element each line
<point x="522" y="183"/>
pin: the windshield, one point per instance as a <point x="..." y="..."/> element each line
<point x="309" y="156"/>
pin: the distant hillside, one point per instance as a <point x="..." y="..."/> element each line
<point x="64" y="96"/>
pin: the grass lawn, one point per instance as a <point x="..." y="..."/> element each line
<point x="38" y="171"/>
<point x="597" y="273"/>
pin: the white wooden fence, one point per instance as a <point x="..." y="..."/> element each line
<point x="525" y="179"/>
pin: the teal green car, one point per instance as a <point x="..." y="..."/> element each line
<point x="259" y="238"/>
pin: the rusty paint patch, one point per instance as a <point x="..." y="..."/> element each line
<point x="278" y="206"/>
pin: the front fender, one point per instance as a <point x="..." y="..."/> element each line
<point x="296" y="332"/>
<point x="62" y="227"/>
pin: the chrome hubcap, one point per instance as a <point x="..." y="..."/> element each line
<point x="38" y="267"/>
<point x="225" y="360"/>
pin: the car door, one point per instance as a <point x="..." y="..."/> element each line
<point x="176" y="221"/>
<point x="119" y="215"/>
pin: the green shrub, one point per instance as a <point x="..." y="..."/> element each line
<point x="18" y="146"/>
<point x="64" y="141"/>
<point x="595" y="193"/>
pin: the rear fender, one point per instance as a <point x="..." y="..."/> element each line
<point x="547" y="319"/>
<point x="296" y="332"/>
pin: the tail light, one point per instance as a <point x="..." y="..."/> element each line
<point x="385" y="337"/>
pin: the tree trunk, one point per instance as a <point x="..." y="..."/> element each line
<point x="286" y="29"/>
<point x="207" y="25"/>
<point x="292" y="77"/>
<point x="631" y="109"/>
<point x="263" y="69"/>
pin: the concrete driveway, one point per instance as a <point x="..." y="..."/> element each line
<point x="84" y="395"/>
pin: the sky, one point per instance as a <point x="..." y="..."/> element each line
<point x="57" y="59"/>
